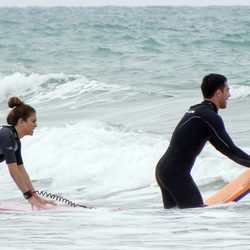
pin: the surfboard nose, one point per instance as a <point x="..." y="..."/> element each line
<point x="233" y="191"/>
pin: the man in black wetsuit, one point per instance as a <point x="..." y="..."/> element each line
<point x="200" y="124"/>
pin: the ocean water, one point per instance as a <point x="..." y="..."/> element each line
<point x="109" y="85"/>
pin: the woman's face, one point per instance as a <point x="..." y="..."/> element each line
<point x="29" y="125"/>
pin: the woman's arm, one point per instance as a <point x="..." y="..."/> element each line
<point x="22" y="184"/>
<point x="26" y="178"/>
<point x="31" y="187"/>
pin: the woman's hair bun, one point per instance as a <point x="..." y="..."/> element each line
<point x="14" y="101"/>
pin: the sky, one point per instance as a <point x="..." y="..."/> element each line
<point x="24" y="3"/>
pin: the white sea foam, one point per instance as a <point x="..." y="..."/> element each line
<point x="77" y="90"/>
<point x="103" y="159"/>
<point x="239" y="91"/>
<point x="40" y="88"/>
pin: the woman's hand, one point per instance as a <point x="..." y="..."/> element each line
<point x="35" y="205"/>
<point x="45" y="202"/>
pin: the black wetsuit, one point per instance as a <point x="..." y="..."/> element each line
<point x="10" y="145"/>
<point x="200" y="124"/>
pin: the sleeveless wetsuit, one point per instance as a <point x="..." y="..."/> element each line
<point x="200" y="124"/>
<point x="10" y="145"/>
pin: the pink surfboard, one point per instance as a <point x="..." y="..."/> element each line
<point x="8" y="207"/>
<point x="13" y="207"/>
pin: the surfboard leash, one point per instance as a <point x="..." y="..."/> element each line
<point x="60" y="198"/>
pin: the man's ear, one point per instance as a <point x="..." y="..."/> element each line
<point x="218" y="93"/>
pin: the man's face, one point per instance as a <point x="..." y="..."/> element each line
<point x="224" y="95"/>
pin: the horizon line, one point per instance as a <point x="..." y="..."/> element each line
<point x="112" y="5"/>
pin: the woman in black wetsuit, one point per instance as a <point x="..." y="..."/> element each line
<point x="22" y="121"/>
<point x="200" y="124"/>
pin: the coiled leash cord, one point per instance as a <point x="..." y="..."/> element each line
<point x="60" y="198"/>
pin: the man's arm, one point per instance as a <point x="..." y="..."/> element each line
<point x="221" y="140"/>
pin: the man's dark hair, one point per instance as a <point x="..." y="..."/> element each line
<point x="211" y="83"/>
